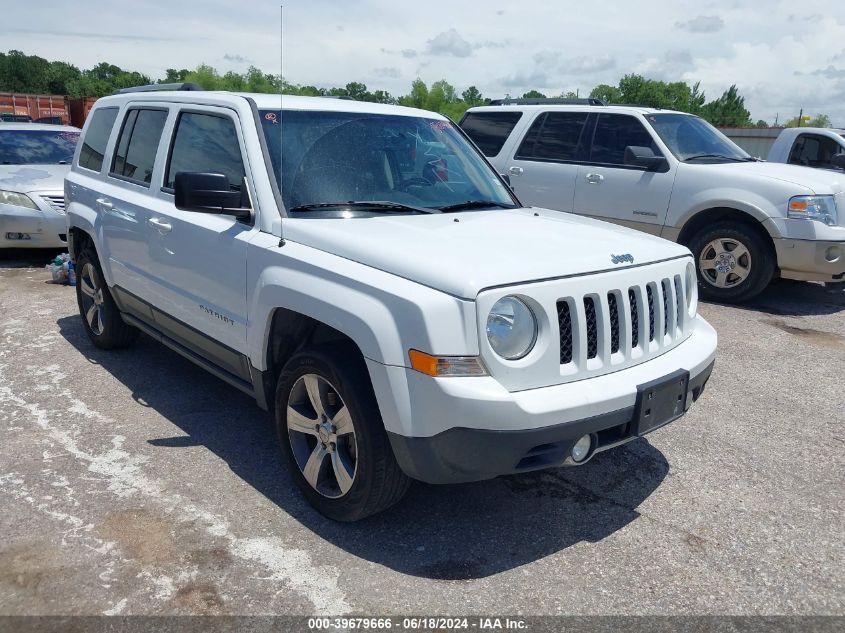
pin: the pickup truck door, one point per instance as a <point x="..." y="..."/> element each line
<point x="815" y="150"/>
<point x="543" y="168"/>
<point x="607" y="189"/>
<point x="197" y="261"/>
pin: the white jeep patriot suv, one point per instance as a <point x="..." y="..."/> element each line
<point x="366" y="275"/>
<point x="674" y="175"/>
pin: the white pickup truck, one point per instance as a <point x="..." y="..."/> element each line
<point x="674" y="175"/>
<point x="362" y="272"/>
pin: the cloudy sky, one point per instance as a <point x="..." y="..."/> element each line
<point x="783" y="55"/>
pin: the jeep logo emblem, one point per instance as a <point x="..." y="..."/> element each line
<point x="619" y="259"/>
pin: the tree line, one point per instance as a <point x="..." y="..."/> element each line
<point x="32" y="74"/>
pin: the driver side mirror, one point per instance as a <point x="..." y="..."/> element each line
<point x="209" y="193"/>
<point x="645" y="157"/>
<point x="838" y="160"/>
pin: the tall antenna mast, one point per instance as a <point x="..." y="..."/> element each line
<point x="279" y="118"/>
<point x="281" y="89"/>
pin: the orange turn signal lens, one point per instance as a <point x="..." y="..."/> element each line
<point x="446" y="365"/>
<point x="798" y="205"/>
<point x="425" y="363"/>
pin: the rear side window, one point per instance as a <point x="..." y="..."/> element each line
<point x="615" y="132"/>
<point x="490" y="130"/>
<point x="96" y="138"/>
<point x="814" y="151"/>
<point x="206" y="143"/>
<point x="135" y="154"/>
<point x="554" y="136"/>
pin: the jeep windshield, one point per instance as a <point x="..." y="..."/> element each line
<point x="693" y="140"/>
<point x="37" y="147"/>
<point x="352" y="164"/>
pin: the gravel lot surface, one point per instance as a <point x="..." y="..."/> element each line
<point x="135" y="483"/>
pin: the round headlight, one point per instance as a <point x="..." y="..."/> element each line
<point x="692" y="289"/>
<point x="511" y="328"/>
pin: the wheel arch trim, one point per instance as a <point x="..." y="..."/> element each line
<point x="698" y="220"/>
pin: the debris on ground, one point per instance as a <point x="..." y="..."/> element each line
<point x="62" y="270"/>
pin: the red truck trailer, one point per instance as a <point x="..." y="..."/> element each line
<point x="49" y="108"/>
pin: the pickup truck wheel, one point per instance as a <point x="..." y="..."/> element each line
<point x="333" y="436"/>
<point x="734" y="263"/>
<point x="100" y="314"/>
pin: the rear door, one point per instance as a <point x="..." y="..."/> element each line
<point x="544" y="166"/>
<point x="608" y="189"/>
<point x="489" y="130"/>
<point x="197" y="260"/>
<point x="127" y="193"/>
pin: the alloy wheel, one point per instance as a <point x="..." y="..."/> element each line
<point x="322" y="436"/>
<point x="725" y="263"/>
<point x="92" y="298"/>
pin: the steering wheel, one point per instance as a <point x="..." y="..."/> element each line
<point x="421" y="182"/>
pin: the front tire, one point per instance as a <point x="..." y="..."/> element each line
<point x="333" y="437"/>
<point x="100" y="314"/>
<point x="733" y="261"/>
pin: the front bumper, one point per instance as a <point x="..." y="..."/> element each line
<point x="466" y="429"/>
<point x="461" y="454"/>
<point x="811" y="260"/>
<point x="45" y="228"/>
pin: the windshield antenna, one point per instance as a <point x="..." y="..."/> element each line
<point x="281" y="93"/>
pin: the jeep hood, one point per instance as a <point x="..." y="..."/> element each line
<point x="818" y="181"/>
<point x="465" y="253"/>
<point x="26" y="178"/>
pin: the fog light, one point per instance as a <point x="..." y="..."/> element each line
<point x="18" y="236"/>
<point x="581" y="449"/>
<point x="832" y="254"/>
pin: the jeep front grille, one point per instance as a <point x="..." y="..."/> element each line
<point x="592" y="333"/>
<point x="612" y="322"/>
<point x="666" y="293"/>
<point x="635" y="317"/>
<point x="650" y="294"/>
<point x="565" y="322"/>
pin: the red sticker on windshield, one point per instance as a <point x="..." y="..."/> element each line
<point x="271" y="116"/>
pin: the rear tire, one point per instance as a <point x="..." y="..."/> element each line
<point x="733" y="261"/>
<point x="333" y="437"/>
<point x="100" y="314"/>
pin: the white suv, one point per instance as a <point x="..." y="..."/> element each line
<point x="362" y="272"/>
<point x="674" y="175"/>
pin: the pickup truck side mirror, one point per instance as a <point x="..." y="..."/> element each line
<point x="644" y="157"/>
<point x="838" y="160"/>
<point x="208" y="193"/>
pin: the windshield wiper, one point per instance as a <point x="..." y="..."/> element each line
<point x="371" y="205"/>
<point x="475" y="204"/>
<point x="722" y="156"/>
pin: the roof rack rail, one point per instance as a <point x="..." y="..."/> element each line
<point x="549" y="101"/>
<point x="157" y="87"/>
<point x="637" y="105"/>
